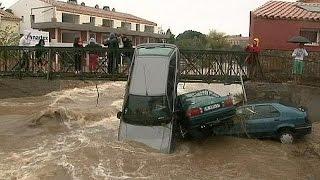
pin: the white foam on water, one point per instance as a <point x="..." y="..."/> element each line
<point x="68" y="166"/>
<point x="101" y="171"/>
<point x="118" y="104"/>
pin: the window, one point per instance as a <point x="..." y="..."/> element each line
<point x="69" y="36"/>
<point x="265" y="111"/>
<point x="32" y="17"/>
<point x="93" y="35"/>
<point x="171" y="80"/>
<point x="145" y="110"/>
<point x="126" y="25"/>
<point x="137" y="27"/>
<point x="107" y="23"/>
<point x="104" y="38"/>
<point x="70" y="18"/>
<point x="149" y="29"/>
<point x="245" y="111"/>
<point x="312" y="35"/>
<point x="92" y="20"/>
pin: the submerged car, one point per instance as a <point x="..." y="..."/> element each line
<point x="148" y="113"/>
<point x="268" y="120"/>
<point x="201" y="110"/>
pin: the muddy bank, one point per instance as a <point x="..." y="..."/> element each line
<point x="289" y="94"/>
<point x="16" y="88"/>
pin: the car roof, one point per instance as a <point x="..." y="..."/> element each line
<point x="267" y="103"/>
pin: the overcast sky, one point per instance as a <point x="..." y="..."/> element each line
<point x="229" y="16"/>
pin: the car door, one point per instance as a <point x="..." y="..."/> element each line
<point x="263" y="121"/>
<point x="240" y="121"/>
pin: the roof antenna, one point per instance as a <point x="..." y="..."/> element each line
<point x="145" y="80"/>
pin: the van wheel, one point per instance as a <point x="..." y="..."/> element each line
<point x="286" y="137"/>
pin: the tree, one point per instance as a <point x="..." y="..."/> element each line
<point x="217" y="40"/>
<point x="8" y="37"/>
<point x="191" y="40"/>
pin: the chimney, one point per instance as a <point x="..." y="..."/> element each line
<point x="106" y="8"/>
<point x="97" y="6"/>
<point x="113" y="10"/>
<point x="83" y="4"/>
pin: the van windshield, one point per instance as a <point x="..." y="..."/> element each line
<point x="146" y="110"/>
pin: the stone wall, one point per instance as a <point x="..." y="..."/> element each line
<point x="15" y="88"/>
<point x="289" y="94"/>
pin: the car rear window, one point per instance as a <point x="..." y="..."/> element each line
<point x="155" y="51"/>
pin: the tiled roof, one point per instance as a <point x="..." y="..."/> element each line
<point x="76" y="8"/>
<point x="289" y="10"/>
<point x="7" y="15"/>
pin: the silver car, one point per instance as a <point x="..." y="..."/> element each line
<point x="149" y="105"/>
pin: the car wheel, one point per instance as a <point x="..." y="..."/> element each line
<point x="286" y="137"/>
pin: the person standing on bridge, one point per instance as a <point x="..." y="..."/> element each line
<point x="93" y="54"/>
<point x="25" y="41"/>
<point x="252" y="59"/>
<point x="78" y="55"/>
<point x="298" y="64"/>
<point x="113" y="53"/>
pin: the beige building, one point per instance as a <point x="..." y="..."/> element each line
<point x="67" y="20"/>
<point x="238" y="40"/>
<point x="9" y="20"/>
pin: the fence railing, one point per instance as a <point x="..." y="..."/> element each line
<point x="277" y="66"/>
<point x="195" y="65"/>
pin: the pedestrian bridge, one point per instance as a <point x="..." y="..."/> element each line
<point x="207" y="66"/>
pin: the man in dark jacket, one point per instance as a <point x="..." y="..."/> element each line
<point x="127" y="46"/>
<point x="113" y="53"/>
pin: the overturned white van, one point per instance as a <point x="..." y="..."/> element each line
<point x="148" y="113"/>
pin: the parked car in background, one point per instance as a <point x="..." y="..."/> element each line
<point x="268" y="120"/>
<point x="201" y="110"/>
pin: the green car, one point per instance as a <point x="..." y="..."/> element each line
<point x="268" y="120"/>
<point x="201" y="110"/>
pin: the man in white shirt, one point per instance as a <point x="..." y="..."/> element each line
<point x="298" y="65"/>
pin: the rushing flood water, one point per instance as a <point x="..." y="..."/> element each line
<point x="68" y="135"/>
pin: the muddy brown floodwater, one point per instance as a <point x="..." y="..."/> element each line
<point x="66" y="135"/>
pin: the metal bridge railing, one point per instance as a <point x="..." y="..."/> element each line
<point x="195" y="65"/>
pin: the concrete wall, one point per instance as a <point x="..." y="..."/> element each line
<point x="293" y="95"/>
<point x="23" y="8"/>
<point x="43" y="15"/>
<point x="116" y="24"/>
<point x="274" y="34"/>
